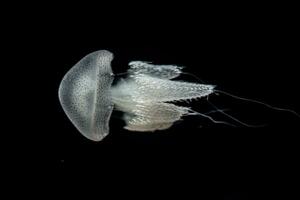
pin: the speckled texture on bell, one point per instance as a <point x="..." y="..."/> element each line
<point x="84" y="94"/>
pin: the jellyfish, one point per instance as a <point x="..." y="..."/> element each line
<point x="146" y="96"/>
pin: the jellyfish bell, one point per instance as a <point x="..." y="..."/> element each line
<point x="84" y="94"/>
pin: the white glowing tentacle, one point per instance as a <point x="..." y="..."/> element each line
<point x="159" y="71"/>
<point x="155" y="89"/>
<point x="146" y="100"/>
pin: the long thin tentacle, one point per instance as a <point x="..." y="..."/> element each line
<point x="259" y="102"/>
<point x="233" y="118"/>
<point x="210" y="118"/>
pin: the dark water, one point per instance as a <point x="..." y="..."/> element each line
<point x="251" y="56"/>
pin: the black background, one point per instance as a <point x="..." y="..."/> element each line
<point x="249" y="52"/>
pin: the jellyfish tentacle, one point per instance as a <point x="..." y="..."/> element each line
<point x="159" y="71"/>
<point x="259" y="102"/>
<point x="235" y="119"/>
<point x="155" y="89"/>
<point x="147" y="100"/>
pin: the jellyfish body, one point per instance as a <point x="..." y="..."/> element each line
<point x="84" y="94"/>
<point x="145" y="95"/>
